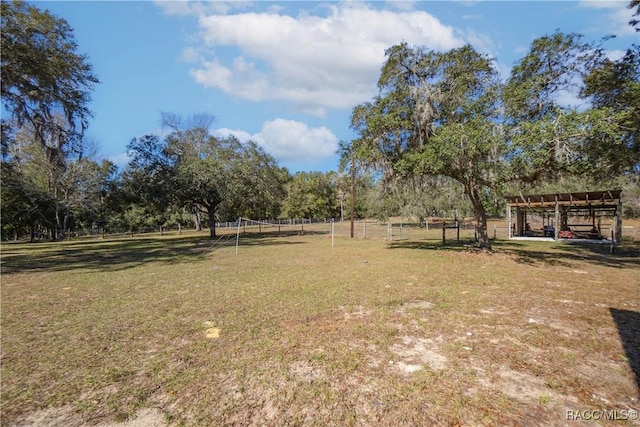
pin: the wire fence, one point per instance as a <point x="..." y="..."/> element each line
<point x="247" y="232"/>
<point x="362" y="229"/>
<point x="392" y="230"/>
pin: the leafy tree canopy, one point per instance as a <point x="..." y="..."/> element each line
<point x="45" y="85"/>
<point x="43" y="77"/>
<point x="449" y="114"/>
<point x="193" y="169"/>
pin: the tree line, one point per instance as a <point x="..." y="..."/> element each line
<point x="445" y="136"/>
<point x="188" y="178"/>
<point x="53" y="183"/>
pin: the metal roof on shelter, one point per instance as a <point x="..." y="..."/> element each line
<point x="587" y="198"/>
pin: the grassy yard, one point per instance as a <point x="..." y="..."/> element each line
<point x="293" y="331"/>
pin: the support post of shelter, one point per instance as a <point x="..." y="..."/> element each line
<point x="556" y="228"/>
<point x="619" y="221"/>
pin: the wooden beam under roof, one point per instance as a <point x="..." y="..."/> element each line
<point x="572" y="199"/>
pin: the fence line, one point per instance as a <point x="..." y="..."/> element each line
<point x="363" y="229"/>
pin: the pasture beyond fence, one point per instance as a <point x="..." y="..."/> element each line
<point x="393" y="230"/>
<point x="364" y="229"/>
<point x="235" y="233"/>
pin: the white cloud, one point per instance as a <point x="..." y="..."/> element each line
<point x="189" y="7"/>
<point x="175" y="7"/>
<point x="293" y="140"/>
<point x="242" y="135"/>
<point x="289" y="140"/>
<point x="120" y="160"/>
<point x="616" y="21"/>
<point x="620" y="18"/>
<point x="570" y="99"/>
<point x="402" y="4"/>
<point x="599" y="4"/>
<point x="316" y="62"/>
<point x="482" y="42"/>
<point x="615" y="54"/>
<point x="286" y="140"/>
<point x="191" y="54"/>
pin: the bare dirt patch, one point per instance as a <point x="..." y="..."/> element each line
<point x="415" y="352"/>
<point x="357" y="312"/>
<point x="302" y="370"/>
<point x="520" y="386"/>
<point x="66" y="416"/>
<point x="417" y="305"/>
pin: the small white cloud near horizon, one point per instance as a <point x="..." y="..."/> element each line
<point x="243" y="136"/>
<point x="289" y="140"/>
<point x="615" y="54"/>
<point x="120" y="160"/>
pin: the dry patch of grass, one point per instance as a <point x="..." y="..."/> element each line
<point x="293" y="331"/>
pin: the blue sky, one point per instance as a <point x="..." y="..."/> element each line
<point x="287" y="74"/>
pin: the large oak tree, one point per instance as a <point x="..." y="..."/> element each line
<point x="190" y="168"/>
<point x="449" y="114"/>
<point x="46" y="86"/>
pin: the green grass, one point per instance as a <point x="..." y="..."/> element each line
<point x="315" y="335"/>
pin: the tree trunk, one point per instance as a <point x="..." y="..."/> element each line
<point x="212" y="225"/>
<point x="62" y="215"/>
<point x="65" y="221"/>
<point x="197" y="220"/>
<point x="481" y="217"/>
<point x="353" y="199"/>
